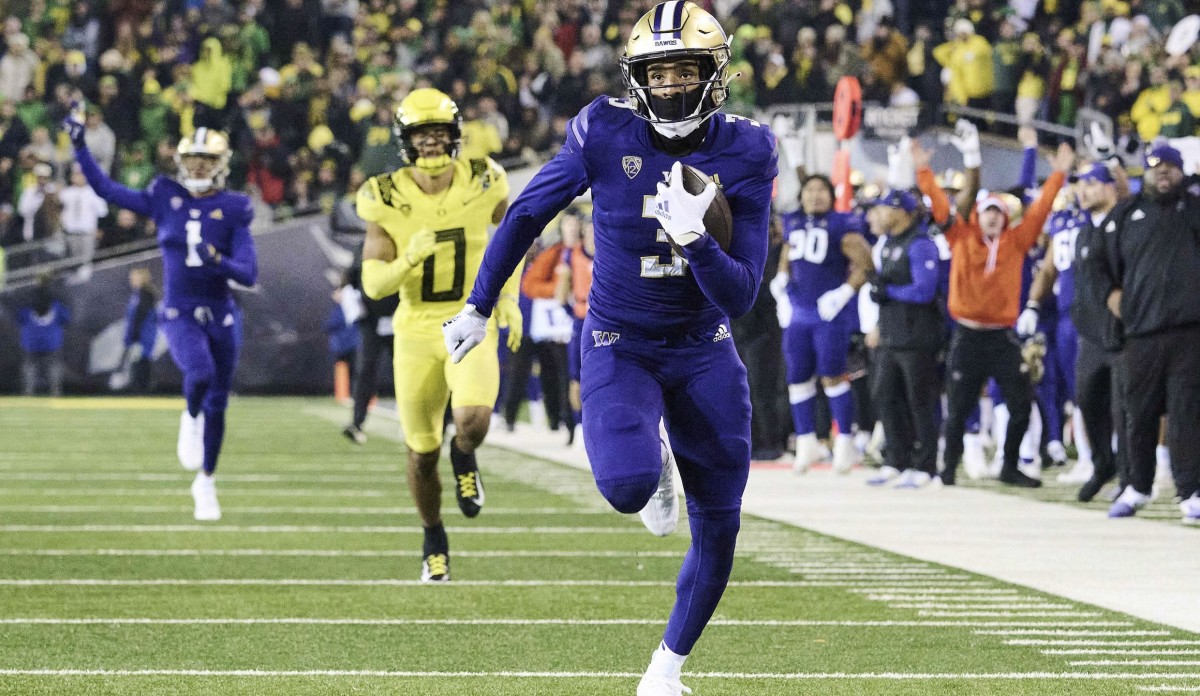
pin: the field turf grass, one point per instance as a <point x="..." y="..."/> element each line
<point x="308" y="583"/>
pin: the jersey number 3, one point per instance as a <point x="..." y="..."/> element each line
<point x="455" y="292"/>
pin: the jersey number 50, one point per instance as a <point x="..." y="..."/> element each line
<point x="459" y="238"/>
<point x="808" y="245"/>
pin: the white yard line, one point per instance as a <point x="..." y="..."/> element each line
<point x="1146" y="663"/>
<point x="336" y="553"/>
<point x="1117" y="651"/>
<point x="279" y="510"/>
<point x="925" y="612"/>
<point x="181" y="492"/>
<point x="301" y="529"/>
<point x="1069" y="632"/>
<point x="118" y="621"/>
<point x="183" y="477"/>
<point x="1102" y="643"/>
<point x="979" y="607"/>
<point x="887" y="676"/>
<point x="366" y="582"/>
<point x="1168" y="687"/>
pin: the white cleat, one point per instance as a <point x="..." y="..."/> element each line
<point x="913" y="479"/>
<point x="845" y="454"/>
<point x="974" y="460"/>
<point x="1080" y="473"/>
<point x="655" y="685"/>
<point x="886" y="474"/>
<point x="661" y="514"/>
<point x="1057" y="452"/>
<point x="808" y="452"/>
<point x="204" y="493"/>
<point x="190" y="446"/>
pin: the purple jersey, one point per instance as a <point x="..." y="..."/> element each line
<point x="185" y="223"/>
<point x="639" y="283"/>
<point x="816" y="263"/>
<point x="1064" y="230"/>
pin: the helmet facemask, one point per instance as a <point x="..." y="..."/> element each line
<point x="202" y="161"/>
<point x="675" y="116"/>
<point x="415" y="138"/>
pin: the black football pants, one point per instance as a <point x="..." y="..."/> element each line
<point x="907" y="392"/>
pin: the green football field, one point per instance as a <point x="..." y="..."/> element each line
<point x="308" y="584"/>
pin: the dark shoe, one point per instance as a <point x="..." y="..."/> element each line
<point x="1014" y="477"/>
<point x="355" y="434"/>
<point x="947" y="477"/>
<point x="468" y="485"/>
<point x="1093" y="485"/>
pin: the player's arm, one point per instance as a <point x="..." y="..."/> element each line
<point x="923" y="266"/>
<point x="730" y="280"/>
<point x="862" y="266"/>
<point x="966" y="140"/>
<point x="550" y="191"/>
<point x="241" y="263"/>
<point x="384" y="267"/>
<point x="140" y="202"/>
<point x="1028" y="179"/>
<point x="1035" y="216"/>
<point x="1043" y="280"/>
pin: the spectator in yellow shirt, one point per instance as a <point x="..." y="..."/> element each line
<point x="1151" y="104"/>
<point x="969" y="59"/>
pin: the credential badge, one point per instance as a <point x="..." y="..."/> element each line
<point x="632" y="165"/>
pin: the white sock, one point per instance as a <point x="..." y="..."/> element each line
<point x="1000" y="427"/>
<point x="1082" y="444"/>
<point x="1032" y="442"/>
<point x="1162" y="456"/>
<point x="666" y="663"/>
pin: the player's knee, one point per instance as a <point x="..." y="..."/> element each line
<point x="630" y="494"/>
<point x="802" y="391"/>
<point x="216" y="401"/>
<point x="835" y="386"/>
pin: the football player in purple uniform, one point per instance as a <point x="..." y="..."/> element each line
<point x="204" y="235"/>
<point x="656" y="342"/>
<point x="827" y="261"/>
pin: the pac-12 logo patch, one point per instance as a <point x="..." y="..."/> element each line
<point x="632" y="165"/>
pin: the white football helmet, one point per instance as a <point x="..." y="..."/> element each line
<point x="203" y="160"/>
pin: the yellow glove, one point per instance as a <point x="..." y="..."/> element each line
<point x="420" y="247"/>
<point x="508" y="313"/>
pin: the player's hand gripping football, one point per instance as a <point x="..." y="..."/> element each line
<point x="208" y="254"/>
<point x="680" y="213"/>
<point x="464" y="331"/>
<point x="508" y="314"/>
<point x="73" y="124"/>
<point x="420" y="247"/>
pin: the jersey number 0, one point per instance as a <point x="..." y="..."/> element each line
<point x="459" y="238"/>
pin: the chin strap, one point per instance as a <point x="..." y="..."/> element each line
<point x="197" y="185"/>
<point x="434" y="165"/>
<point x="678" y="129"/>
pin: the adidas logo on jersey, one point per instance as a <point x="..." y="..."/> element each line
<point x="605" y="338"/>
<point x="721" y="334"/>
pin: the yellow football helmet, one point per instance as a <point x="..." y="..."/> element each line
<point x="951" y="180"/>
<point x="203" y="160"/>
<point x="427" y="107"/>
<point x="1015" y="208"/>
<point x="674" y="31"/>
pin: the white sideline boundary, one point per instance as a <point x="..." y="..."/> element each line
<point x="1054" y="548"/>
<point x="307" y="621"/>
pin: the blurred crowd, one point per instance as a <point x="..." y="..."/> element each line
<point x="307" y="88"/>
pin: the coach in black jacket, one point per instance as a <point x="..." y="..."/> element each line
<point x="1098" y="367"/>
<point x="910" y="336"/>
<point x="1152" y="249"/>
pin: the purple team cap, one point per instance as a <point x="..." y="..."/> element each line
<point x="1098" y="171"/>
<point x="1163" y="153"/>
<point x="897" y="198"/>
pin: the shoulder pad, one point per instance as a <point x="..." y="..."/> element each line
<point x="386" y="188"/>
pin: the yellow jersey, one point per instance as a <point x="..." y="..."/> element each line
<point x="460" y="216"/>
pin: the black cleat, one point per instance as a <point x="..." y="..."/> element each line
<point x="468" y="485"/>
<point x="435" y="567"/>
<point x="1014" y="477"/>
<point x="355" y="434"/>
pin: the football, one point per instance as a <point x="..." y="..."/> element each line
<point x="718" y="219"/>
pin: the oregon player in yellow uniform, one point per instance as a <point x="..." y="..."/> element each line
<point x="427" y="227"/>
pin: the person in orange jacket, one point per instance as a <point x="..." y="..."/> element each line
<point x="985" y="288"/>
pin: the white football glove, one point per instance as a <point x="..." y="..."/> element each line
<point x="464" y="331"/>
<point x="680" y="213"/>
<point x="830" y="304"/>
<point x="783" y="303"/>
<point x="1027" y="323"/>
<point x="966" y="139"/>
<point x="900" y="172"/>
